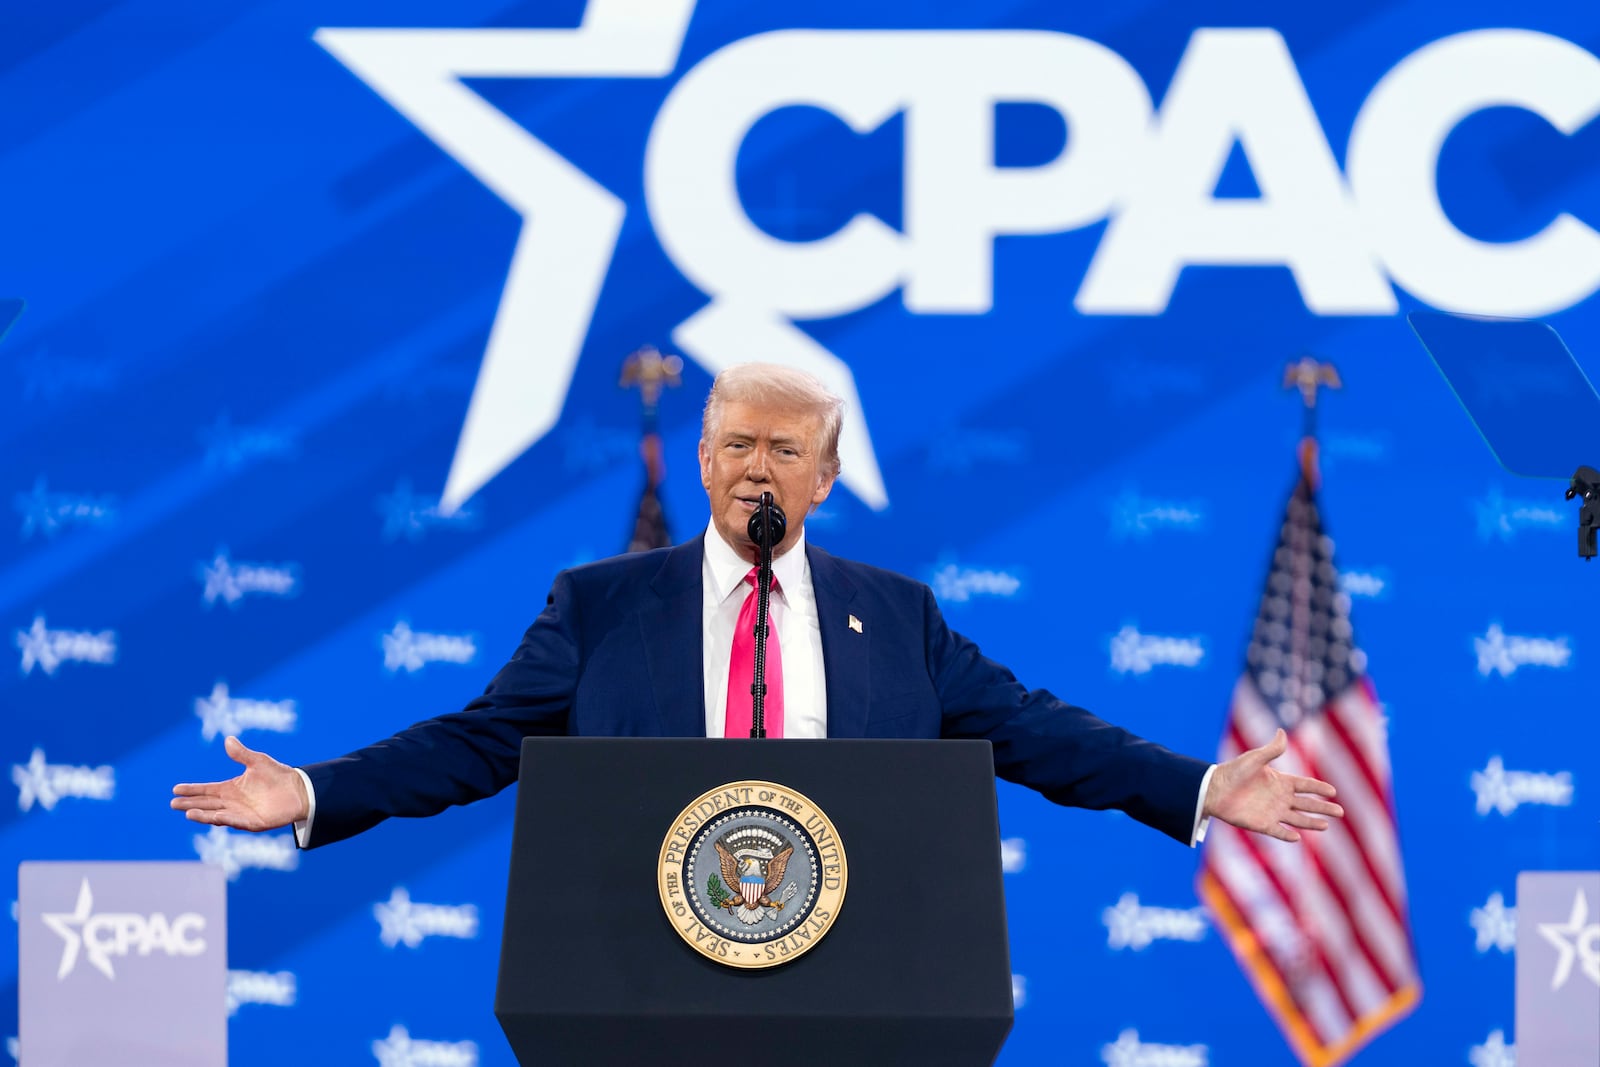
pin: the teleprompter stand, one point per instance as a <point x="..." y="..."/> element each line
<point x="914" y="970"/>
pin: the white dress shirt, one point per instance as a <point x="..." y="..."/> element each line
<point x="794" y="623"/>
<point x="799" y="633"/>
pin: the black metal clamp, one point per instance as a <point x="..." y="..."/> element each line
<point x="1586" y="484"/>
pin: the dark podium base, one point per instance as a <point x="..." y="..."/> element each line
<point x="915" y="969"/>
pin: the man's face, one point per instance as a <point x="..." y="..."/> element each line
<point x="755" y="448"/>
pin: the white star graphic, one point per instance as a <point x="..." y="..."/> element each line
<point x="32" y="780"/>
<point x="1493" y="792"/>
<point x="220" y="581"/>
<point x="69" y="926"/>
<point x="1575" y="939"/>
<point x="394" y="916"/>
<point x="1122" y="924"/>
<point x="395" y="1050"/>
<point x="36" y="648"/>
<point x="570" y="223"/>
<point x="1494" y="654"/>
<point x="399" y="649"/>
<point x="404" y="513"/>
<point x="216" y="848"/>
<point x="1496" y="925"/>
<point x="215" y="712"/>
<point x="1494" y="1052"/>
<point x="38" y="511"/>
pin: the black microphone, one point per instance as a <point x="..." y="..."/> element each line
<point x="767" y="524"/>
<point x="767" y="527"/>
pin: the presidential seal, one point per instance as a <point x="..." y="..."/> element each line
<point x="751" y="874"/>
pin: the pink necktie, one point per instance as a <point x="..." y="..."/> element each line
<point x="742" y="667"/>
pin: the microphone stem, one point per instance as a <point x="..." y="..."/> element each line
<point x="758" y="680"/>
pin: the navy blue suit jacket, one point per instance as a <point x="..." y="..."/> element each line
<point x="617" y="653"/>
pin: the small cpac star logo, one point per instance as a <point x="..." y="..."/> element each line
<point x="221" y="714"/>
<point x="1504" y="791"/>
<point x="403" y="922"/>
<point x="1501" y="652"/>
<point x="1494" y="1052"/>
<point x="70" y="926"/>
<point x="411" y="650"/>
<point x="409" y="515"/>
<point x="1130" y="924"/>
<point x="400" y="1049"/>
<point x="229" y="582"/>
<point x="46" y="783"/>
<point x="1578" y="940"/>
<point x="1496" y="925"/>
<point x="48" y="649"/>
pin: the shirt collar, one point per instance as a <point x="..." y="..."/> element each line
<point x="726" y="569"/>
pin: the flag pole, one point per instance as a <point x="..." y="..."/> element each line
<point x="1308" y="374"/>
<point x="648" y="371"/>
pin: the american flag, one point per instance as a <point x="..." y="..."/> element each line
<point x="1321" y="926"/>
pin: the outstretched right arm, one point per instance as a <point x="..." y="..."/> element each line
<point x="452" y="759"/>
<point x="266" y="796"/>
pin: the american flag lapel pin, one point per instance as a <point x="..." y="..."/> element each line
<point x="855" y="624"/>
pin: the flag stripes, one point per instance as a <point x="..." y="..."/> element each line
<point x="1319" y="926"/>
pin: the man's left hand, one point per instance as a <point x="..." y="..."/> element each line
<point x="1246" y="793"/>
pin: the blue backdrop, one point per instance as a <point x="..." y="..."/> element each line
<point x="266" y="268"/>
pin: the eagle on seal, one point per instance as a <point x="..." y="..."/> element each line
<point x="741" y="872"/>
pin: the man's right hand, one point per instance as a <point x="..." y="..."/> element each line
<point x="266" y="796"/>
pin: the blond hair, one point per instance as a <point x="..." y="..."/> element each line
<point x="769" y="384"/>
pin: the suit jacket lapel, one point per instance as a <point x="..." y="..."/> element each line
<point x="672" y="627"/>
<point x="845" y="658"/>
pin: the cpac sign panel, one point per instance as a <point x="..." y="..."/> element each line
<point x="1558" y="968"/>
<point x="1150" y="173"/>
<point x="122" y="962"/>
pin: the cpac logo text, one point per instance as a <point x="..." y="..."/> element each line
<point x="1501" y="518"/>
<point x="221" y="714"/>
<point x="49" y="513"/>
<point x="234" y="853"/>
<point x="400" y="1049"/>
<point x="1137" y="517"/>
<point x="1133" y="652"/>
<point x="48" y="649"/>
<point x="405" y="649"/>
<point x="1371" y="585"/>
<point x="409" y="515"/>
<point x="104" y="935"/>
<point x="955" y="584"/>
<point x="1129" y="1051"/>
<point x="42" y="783"/>
<point x="277" y="988"/>
<point x="1501" y="652"/>
<point x="403" y="922"/>
<point x="1504" y="791"/>
<point x="1133" y="925"/>
<point x="231" y="582"/>
<point x="1345" y="234"/>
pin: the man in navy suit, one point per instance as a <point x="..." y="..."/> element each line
<point x="653" y="645"/>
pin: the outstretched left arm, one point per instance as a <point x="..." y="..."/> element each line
<point x="1248" y="793"/>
